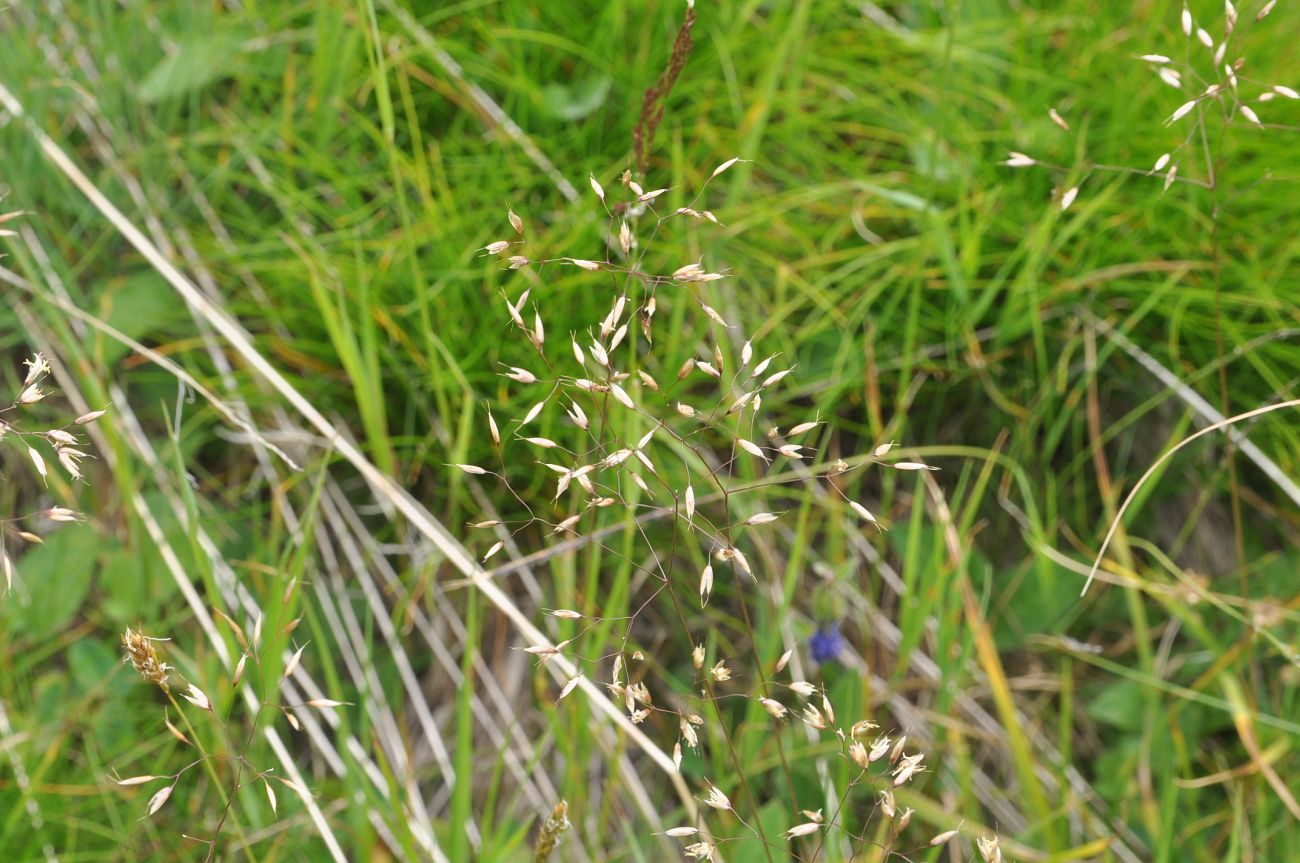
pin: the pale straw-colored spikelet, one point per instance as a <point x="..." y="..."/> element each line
<point x="144" y="658"/>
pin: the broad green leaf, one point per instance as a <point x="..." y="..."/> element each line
<point x="578" y="99"/>
<point x="1119" y="704"/>
<point x="55" y="577"/>
<point x="197" y="61"/>
<point x="138" y="305"/>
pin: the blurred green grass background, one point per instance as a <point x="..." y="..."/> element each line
<point x="331" y="167"/>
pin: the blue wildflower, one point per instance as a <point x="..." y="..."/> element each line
<point x="826" y="643"/>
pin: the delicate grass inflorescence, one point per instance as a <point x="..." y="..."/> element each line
<point x="668" y="464"/>
<point x="1213" y="74"/>
<point x="15" y="421"/>
<point x="226" y="762"/>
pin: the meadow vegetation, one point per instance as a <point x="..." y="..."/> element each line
<point x="515" y="431"/>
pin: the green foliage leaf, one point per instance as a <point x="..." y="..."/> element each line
<point x="578" y="99"/>
<point x="56" y="577"/>
<point x="138" y="305"/>
<point x="1120" y="705"/>
<point x="775" y="820"/>
<point x="50" y="696"/>
<point x="90" y="661"/>
<point x="139" y="583"/>
<point x="1040" y="606"/>
<point x="198" y="61"/>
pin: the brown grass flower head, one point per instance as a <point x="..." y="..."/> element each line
<point x="144" y="658"/>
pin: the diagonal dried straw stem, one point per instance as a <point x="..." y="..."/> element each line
<point x="384" y="486"/>
<point x="179" y="244"/>
<point x="173" y="563"/>
<point x="235" y="596"/>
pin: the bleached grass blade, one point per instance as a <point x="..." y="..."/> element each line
<point x="226" y="577"/>
<point x="180" y="574"/>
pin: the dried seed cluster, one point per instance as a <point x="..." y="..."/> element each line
<point x="141" y="653"/>
<point x="143" y="657"/>
<point x="62" y="440"/>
